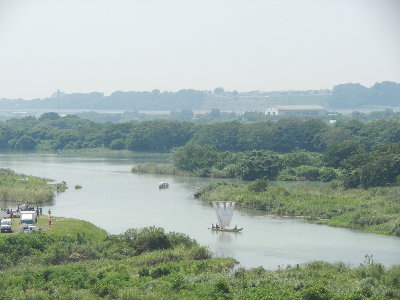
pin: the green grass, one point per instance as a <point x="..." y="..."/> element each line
<point x="27" y="189"/>
<point x="64" y="226"/>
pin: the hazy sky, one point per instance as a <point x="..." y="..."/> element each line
<point x="141" y="45"/>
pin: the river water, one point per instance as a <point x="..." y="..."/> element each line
<point x="115" y="199"/>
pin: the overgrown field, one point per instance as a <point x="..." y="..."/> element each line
<point x="374" y="210"/>
<point x="26" y="189"/>
<point x="76" y="260"/>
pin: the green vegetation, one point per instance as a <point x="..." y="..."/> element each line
<point x="74" y="259"/>
<point x="26" y="189"/>
<point x="347" y="162"/>
<point x="351" y="95"/>
<point x="52" y="132"/>
<point x="153" y="168"/>
<point x="374" y="210"/>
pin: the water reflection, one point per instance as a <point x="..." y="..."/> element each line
<point x="225" y="237"/>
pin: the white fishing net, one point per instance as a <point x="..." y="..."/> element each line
<point x="224" y="211"/>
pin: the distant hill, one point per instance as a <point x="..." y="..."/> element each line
<point x="343" y="96"/>
<point x="354" y="95"/>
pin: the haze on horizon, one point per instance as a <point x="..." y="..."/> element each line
<point x="105" y="46"/>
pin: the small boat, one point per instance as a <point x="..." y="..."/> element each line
<point x="163" y="185"/>
<point x="227" y="229"/>
<point x="224" y="211"/>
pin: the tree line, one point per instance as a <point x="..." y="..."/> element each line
<point x="53" y="132"/>
<point x="154" y="100"/>
<point x="348" y="163"/>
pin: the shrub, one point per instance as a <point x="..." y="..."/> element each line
<point x="144" y="271"/>
<point x="259" y="185"/>
<point x="151" y="238"/>
<point x="118" y="144"/>
<point x="178" y="282"/>
<point x="55" y="255"/>
<point x="221" y="287"/>
<point x="327" y="174"/>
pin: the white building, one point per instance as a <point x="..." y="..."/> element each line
<point x="296" y="110"/>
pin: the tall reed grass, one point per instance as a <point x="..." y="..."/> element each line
<point x="153" y="168"/>
<point x="374" y="210"/>
<point x="26" y="189"/>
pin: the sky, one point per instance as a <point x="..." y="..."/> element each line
<point x="83" y="46"/>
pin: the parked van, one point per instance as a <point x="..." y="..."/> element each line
<point x="6" y="225"/>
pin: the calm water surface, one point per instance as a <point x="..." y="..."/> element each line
<point x="115" y="199"/>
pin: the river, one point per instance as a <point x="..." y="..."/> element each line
<point x="115" y="199"/>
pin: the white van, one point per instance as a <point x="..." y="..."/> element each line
<point x="6" y="225"/>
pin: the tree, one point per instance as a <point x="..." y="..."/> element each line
<point x="385" y="93"/>
<point x="385" y="170"/>
<point x="291" y="135"/>
<point x="259" y="185"/>
<point x="258" y="136"/>
<point x="311" y="128"/>
<point x="49" y="116"/>
<point x="335" y="154"/>
<point x="349" y="95"/>
<point x="193" y="157"/>
<point x="214" y="113"/>
<point x="222" y="135"/>
<point x="25" y="143"/>
<point x="219" y="91"/>
<point x="117" y="144"/>
<point x="159" y="135"/>
<point x="298" y="158"/>
<point x="259" y="163"/>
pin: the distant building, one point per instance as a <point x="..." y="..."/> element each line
<point x="296" y="110"/>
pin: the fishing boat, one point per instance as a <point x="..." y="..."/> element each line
<point x="227" y="229"/>
<point x="163" y="185"/>
<point x="224" y="211"/>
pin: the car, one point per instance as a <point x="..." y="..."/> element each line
<point x="6" y="225"/>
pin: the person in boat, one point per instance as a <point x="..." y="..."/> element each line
<point x="235" y="226"/>
<point x="212" y="225"/>
<point x="217" y="226"/>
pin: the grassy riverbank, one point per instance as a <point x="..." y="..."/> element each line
<point x="153" y="168"/>
<point x="73" y="259"/>
<point x="373" y="210"/>
<point x="26" y="189"/>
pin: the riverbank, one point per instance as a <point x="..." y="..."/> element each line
<point x="375" y="210"/>
<point x="63" y="226"/>
<point x="27" y="189"/>
<point x="73" y="259"/>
